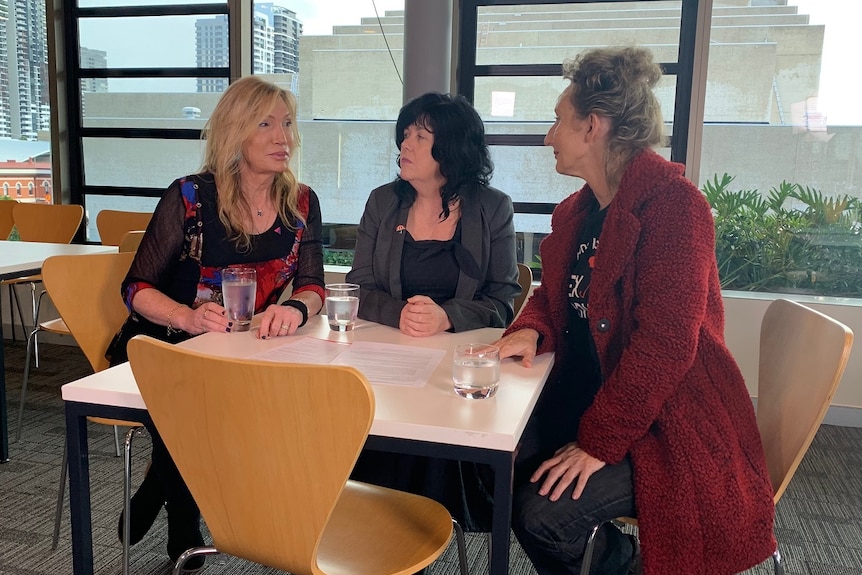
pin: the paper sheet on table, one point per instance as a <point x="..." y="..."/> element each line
<point x="381" y="363"/>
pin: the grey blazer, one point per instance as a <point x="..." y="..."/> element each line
<point x="488" y="233"/>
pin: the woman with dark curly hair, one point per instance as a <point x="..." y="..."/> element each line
<point x="436" y="252"/>
<point x="420" y="269"/>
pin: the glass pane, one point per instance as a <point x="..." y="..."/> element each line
<point x="781" y="148"/>
<point x="139" y="162"/>
<point x="341" y="61"/>
<point x="121" y="3"/>
<point x="550" y="33"/>
<point x="148" y="42"/>
<point x="165" y="105"/>
<point x="96" y="203"/>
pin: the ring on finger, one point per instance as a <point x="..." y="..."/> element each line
<point x="206" y="311"/>
<point x="285" y="327"/>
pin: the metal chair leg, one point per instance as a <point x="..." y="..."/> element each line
<point x="117" y="449"/>
<point x="462" y="547"/>
<point x="24" y="382"/>
<point x="776" y="562"/>
<point x="127" y="492"/>
<point x="61" y="492"/>
<point x="587" y="561"/>
<point x="195" y="551"/>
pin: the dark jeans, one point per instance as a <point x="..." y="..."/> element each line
<point x="554" y="533"/>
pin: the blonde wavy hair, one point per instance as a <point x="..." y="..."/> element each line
<point x="618" y="83"/>
<point x="240" y="110"/>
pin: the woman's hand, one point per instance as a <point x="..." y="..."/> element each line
<point x="279" y="320"/>
<point x="422" y="317"/>
<point x="209" y="316"/>
<point x="521" y="343"/>
<point x="568" y="464"/>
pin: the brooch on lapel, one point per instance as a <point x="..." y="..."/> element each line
<point x="400" y="228"/>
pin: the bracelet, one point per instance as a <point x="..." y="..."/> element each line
<point x="298" y="305"/>
<point x="171" y="329"/>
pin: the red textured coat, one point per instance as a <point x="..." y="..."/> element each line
<point x="673" y="396"/>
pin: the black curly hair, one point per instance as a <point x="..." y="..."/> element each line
<point x="459" y="145"/>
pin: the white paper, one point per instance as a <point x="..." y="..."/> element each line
<point x="381" y="363"/>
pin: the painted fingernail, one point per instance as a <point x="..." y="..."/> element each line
<point x="224" y="311"/>
<point x="263" y="337"/>
<point x="227" y="329"/>
<point x="230" y="324"/>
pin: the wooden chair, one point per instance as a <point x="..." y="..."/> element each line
<point x="282" y="439"/>
<point x="86" y="291"/>
<point x="525" y="280"/>
<point x="54" y="223"/>
<point x="6" y="222"/>
<point x="131" y="240"/>
<point x="113" y="224"/>
<point x="803" y="354"/>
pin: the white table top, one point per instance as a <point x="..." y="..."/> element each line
<point x="28" y="257"/>
<point x="429" y="413"/>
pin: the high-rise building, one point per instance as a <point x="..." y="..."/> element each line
<point x="23" y="79"/>
<point x="275" y="43"/>
<point x="211" y="39"/>
<point x="94" y="59"/>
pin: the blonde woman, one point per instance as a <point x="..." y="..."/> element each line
<point x="245" y="207"/>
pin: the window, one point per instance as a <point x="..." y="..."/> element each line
<point x="780" y="147"/>
<point x="511" y="66"/>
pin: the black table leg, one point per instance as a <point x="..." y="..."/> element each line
<point x="79" y="490"/>
<point x="502" y="515"/>
<point x="4" y="419"/>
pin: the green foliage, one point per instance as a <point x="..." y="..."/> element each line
<point x="337" y="257"/>
<point x="793" y="240"/>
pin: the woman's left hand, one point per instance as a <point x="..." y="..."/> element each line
<point x="568" y="464"/>
<point x="279" y="320"/>
<point x="422" y="317"/>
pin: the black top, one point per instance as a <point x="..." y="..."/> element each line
<point x="431" y="267"/>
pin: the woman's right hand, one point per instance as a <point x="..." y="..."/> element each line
<point x="206" y="317"/>
<point x="521" y="343"/>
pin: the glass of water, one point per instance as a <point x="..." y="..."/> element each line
<point x="476" y="370"/>
<point x="239" y="288"/>
<point x="342" y="305"/>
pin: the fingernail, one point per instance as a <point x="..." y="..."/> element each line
<point x="224" y="312"/>
<point x="230" y="324"/>
<point x="263" y="337"/>
<point x="227" y="329"/>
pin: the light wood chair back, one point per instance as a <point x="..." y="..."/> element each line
<point x="803" y="354"/>
<point x="266" y="450"/>
<point x="55" y="223"/>
<point x="131" y="240"/>
<point x="85" y="290"/>
<point x="6" y="221"/>
<point x="113" y="224"/>
<point x="525" y="280"/>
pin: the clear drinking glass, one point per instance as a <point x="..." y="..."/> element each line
<point x="476" y="370"/>
<point x="239" y="288"/>
<point x="342" y="305"/>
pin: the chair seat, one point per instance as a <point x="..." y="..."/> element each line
<point x="57" y="326"/>
<point x="109" y="421"/>
<point x="401" y="532"/>
<point x="23" y="280"/>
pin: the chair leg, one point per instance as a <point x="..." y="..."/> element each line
<point x="776" y="562"/>
<point x="117" y="449"/>
<point x="127" y="492"/>
<point x="462" y="547"/>
<point x="195" y="551"/>
<point x="30" y="339"/>
<point x="13" y="295"/>
<point x="61" y="492"/>
<point x="587" y="561"/>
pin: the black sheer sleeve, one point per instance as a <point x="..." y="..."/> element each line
<point x="309" y="266"/>
<point x="160" y="249"/>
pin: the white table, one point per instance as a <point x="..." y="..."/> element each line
<point x="427" y="420"/>
<point x="19" y="259"/>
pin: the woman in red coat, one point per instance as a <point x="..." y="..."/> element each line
<point x="646" y="413"/>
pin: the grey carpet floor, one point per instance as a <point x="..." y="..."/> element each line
<point x="818" y="524"/>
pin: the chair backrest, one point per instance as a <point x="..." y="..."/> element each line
<point x="112" y="224"/>
<point x="803" y="354"/>
<point x="85" y="290"/>
<point x="6" y="222"/>
<point x="131" y="241"/>
<point x="525" y="279"/>
<point x="55" y="223"/>
<point x="265" y="448"/>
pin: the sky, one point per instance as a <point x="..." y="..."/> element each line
<point x="839" y="79"/>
